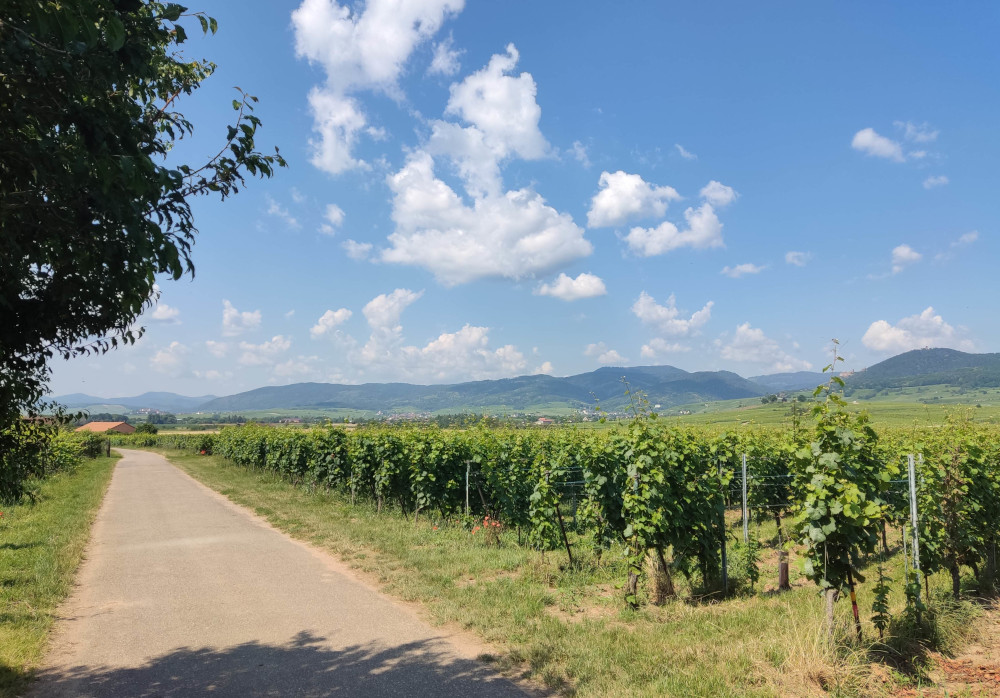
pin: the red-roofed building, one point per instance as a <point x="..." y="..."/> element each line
<point x="103" y="427"/>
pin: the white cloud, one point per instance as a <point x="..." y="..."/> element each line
<point x="170" y="360"/>
<point x="360" y="47"/>
<point x="265" y="352"/>
<point x="502" y="107"/>
<point x="718" y="194"/>
<point x="668" y="318"/>
<point x="569" y="289"/>
<point x="742" y="270"/>
<point x="798" y="259"/>
<point x="357" y="250"/>
<point x="212" y="375"/>
<point x="329" y="321"/>
<point x="166" y="314"/>
<point x="917" y="154"/>
<point x="465" y="352"/>
<point x="461" y="355"/>
<point x="658" y="346"/>
<point x="217" y="349"/>
<point x="938" y="181"/>
<point x="512" y="235"/>
<point x="579" y="151"/>
<point x="275" y="209"/>
<point x="966" y="239"/>
<point x="297" y="196"/>
<point x="290" y="314"/>
<point x="234" y="322"/>
<point x="301" y="368"/>
<point x="605" y="356"/>
<point x="869" y="142"/>
<point x="383" y="313"/>
<point x="446" y="58"/>
<point x="751" y="345"/>
<point x="914" y="332"/>
<point x="684" y="153"/>
<point x="917" y="133"/>
<point x="903" y="256"/>
<point x="338" y="120"/>
<point x="624" y="197"/>
<point x="334" y="215"/>
<point x="545" y="368"/>
<point x="704" y="231"/>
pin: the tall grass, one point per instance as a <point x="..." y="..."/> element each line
<point x="41" y="545"/>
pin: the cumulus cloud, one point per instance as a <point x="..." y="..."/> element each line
<point x="264" y="353"/>
<point x="357" y="250"/>
<point x="742" y="270"/>
<point x="235" y="322"/>
<point x="334" y="219"/>
<point x="604" y="355"/>
<point x="501" y="106"/>
<point x="446" y="59"/>
<point x="361" y="47"/>
<point x="935" y="181"/>
<point x="718" y="194"/>
<point x="510" y="235"/>
<point x="658" y="347"/>
<point x="914" y="332"/>
<point x="545" y="369"/>
<point x="170" y="360"/>
<point x="569" y="289"/>
<point x="217" y="349"/>
<point x="464" y="354"/>
<point x="166" y="314"/>
<point x="704" y="231"/>
<point x="623" y="197"/>
<point x="329" y="321"/>
<point x="798" y="259"/>
<point x="667" y="318"/>
<point x="903" y="256"/>
<point x="871" y="143"/>
<point x="750" y="345"/>
<point x="301" y="368"/>
<point x="684" y="153"/>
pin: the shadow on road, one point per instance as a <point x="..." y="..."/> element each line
<point x="304" y="667"/>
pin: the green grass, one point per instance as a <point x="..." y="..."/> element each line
<point x="41" y="545"/>
<point x="569" y="628"/>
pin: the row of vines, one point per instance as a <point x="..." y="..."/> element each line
<point x="659" y="493"/>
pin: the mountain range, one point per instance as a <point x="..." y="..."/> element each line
<point x="663" y="385"/>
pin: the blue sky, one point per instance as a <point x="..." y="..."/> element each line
<point x="482" y="190"/>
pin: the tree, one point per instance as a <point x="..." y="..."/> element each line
<point x="147" y="428"/>
<point x="90" y="208"/>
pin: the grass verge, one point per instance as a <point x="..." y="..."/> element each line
<point x="568" y="627"/>
<point x="41" y="545"/>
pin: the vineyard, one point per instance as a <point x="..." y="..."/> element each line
<point x="671" y="503"/>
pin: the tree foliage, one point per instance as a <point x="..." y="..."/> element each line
<point x="91" y="208"/>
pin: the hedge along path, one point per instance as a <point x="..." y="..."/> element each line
<point x="185" y="593"/>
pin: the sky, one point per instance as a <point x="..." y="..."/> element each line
<point x="482" y="190"/>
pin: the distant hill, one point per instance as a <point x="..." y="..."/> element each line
<point x="664" y="385"/>
<point x="799" y="380"/>
<point x="165" y="402"/>
<point x="930" y="367"/>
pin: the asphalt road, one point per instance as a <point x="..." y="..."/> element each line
<point x="183" y="593"/>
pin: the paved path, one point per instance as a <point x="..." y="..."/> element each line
<point x="185" y="594"/>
